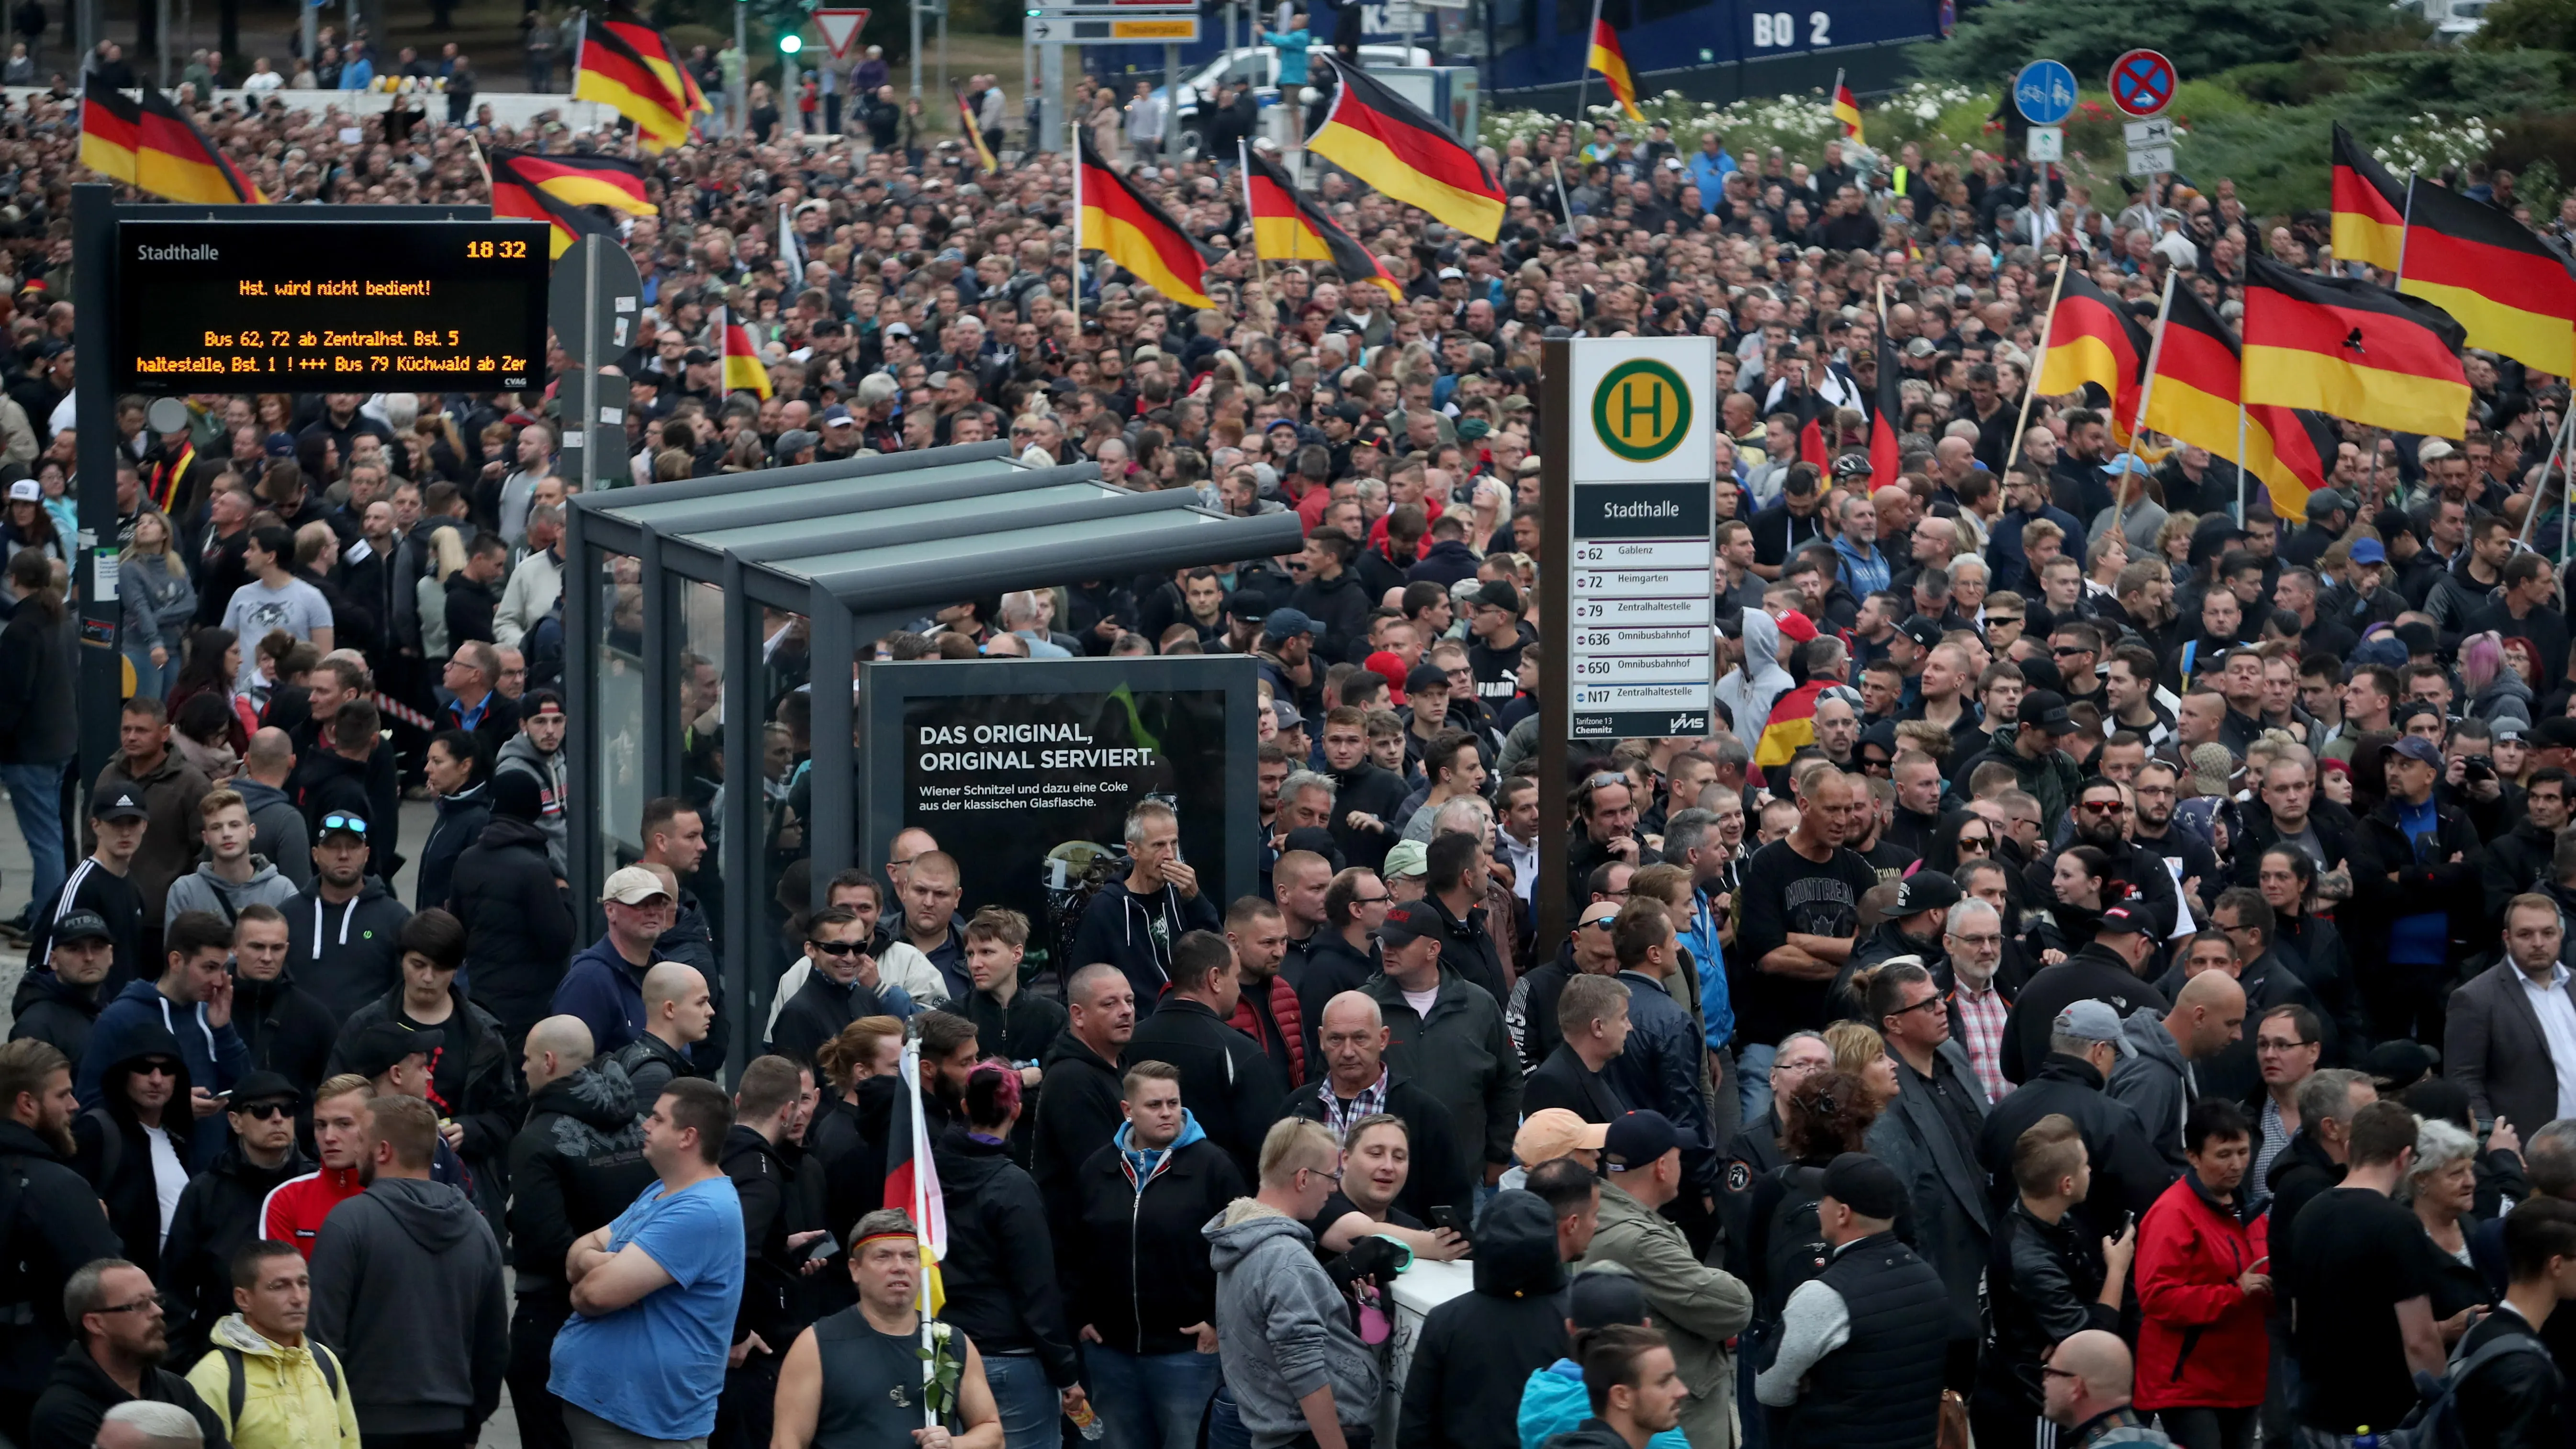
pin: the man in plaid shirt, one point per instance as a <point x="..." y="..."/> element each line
<point x="1974" y="939"/>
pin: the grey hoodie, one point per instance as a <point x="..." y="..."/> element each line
<point x="203" y="890"/>
<point x="407" y="1289"/>
<point x="553" y="782"/>
<point x="1747" y="692"/>
<point x="1281" y="1327"/>
<point x="2155" y="1081"/>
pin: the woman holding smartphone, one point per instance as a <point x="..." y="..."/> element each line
<point x="2203" y="1281"/>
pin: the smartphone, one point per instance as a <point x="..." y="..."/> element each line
<point x="822" y="1247"/>
<point x="1445" y="1216"/>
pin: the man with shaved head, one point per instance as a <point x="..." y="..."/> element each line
<point x="576" y="1165"/>
<point x="1081" y="1101"/>
<point x="2085" y="1388"/>
<point x="1350" y="1045"/>
<point x="678" y="1011"/>
<point x="2155" y="1074"/>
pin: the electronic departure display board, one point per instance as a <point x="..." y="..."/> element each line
<point x="330" y="306"/>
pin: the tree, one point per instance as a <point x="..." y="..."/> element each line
<point x="2528" y="24"/>
<point x="2202" y="37"/>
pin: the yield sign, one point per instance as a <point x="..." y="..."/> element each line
<point x="840" y="27"/>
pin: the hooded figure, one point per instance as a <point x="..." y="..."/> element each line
<point x="129" y="1163"/>
<point x="1477" y="1350"/>
<point x="1747" y="692"/>
<point x="519" y="924"/>
<point x="407" y="1288"/>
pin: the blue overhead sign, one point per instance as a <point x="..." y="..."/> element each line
<point x="2044" y="93"/>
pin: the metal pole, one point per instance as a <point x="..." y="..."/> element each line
<point x="943" y="46"/>
<point x="102" y="678"/>
<point x="1556" y="697"/>
<point x="1172" y="103"/>
<point x="1583" y="90"/>
<point x="1053" y="110"/>
<point x="307" y="20"/>
<point x="742" y="78"/>
<point x="915" y="11"/>
<point x="161" y="40"/>
<point x="2030" y="384"/>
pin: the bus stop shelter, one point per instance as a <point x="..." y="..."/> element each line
<point x="695" y="604"/>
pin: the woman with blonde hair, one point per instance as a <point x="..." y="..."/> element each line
<point x="1861" y="1053"/>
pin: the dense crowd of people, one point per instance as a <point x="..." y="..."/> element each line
<point x="2103" y="979"/>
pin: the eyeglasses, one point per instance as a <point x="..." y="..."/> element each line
<point x="340" y="820"/>
<point x="1978" y="843"/>
<point x="1599" y="923"/>
<point x="161" y="1301"/>
<point x="2276" y="1044"/>
<point x="2052" y="1371"/>
<point x="836" y="948"/>
<point x="1979" y="941"/>
<point x="265" y="1111"/>
<point x="1933" y="1000"/>
<point x="158" y="1069"/>
<point x="2106" y="807"/>
<point x="1372" y="900"/>
<point x="1328" y="1175"/>
<point x="2062" y="650"/>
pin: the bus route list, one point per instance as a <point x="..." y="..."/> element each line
<point x="250" y="349"/>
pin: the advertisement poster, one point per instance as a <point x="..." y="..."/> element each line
<point x="1028" y="785"/>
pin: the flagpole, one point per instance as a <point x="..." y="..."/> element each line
<point x="921" y="1233"/>
<point x="2147" y="390"/>
<point x="2030" y="384"/>
<point x="1583" y="89"/>
<point x="2540" y="495"/>
<point x="2244" y="475"/>
<point x="1076" y="152"/>
<point x="1834" y="97"/>
<point x="1243" y="158"/>
<point x="1563" y="204"/>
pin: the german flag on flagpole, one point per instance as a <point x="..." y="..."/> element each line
<point x="1287" y="227"/>
<point x="613" y="73"/>
<point x="2199" y="376"/>
<point x="514" y="194"/>
<point x="2093" y="339"/>
<point x="582" y="180"/>
<point x="1123" y="224"/>
<point x="912" y="1178"/>
<point x="743" y="371"/>
<point x="2509" y="290"/>
<point x="173" y="158"/>
<point x="1886" y="413"/>
<point x="2357" y="351"/>
<point x="111" y="130"/>
<point x="662" y="56"/>
<point x="2369" y="207"/>
<point x="1846" y="108"/>
<point x="974" y="137"/>
<point x="1612" y="62"/>
<point x="1385" y="141"/>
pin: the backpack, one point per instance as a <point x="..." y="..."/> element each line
<point x="2435" y="1424"/>
<point x="238" y="1385"/>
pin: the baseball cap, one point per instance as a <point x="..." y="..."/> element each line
<point x="1638" y="1139"/>
<point x="1282" y="625"/>
<point x="2124" y="920"/>
<point x="1604" y="1294"/>
<point x="1249" y="605"/>
<point x="119" y="804"/>
<point x="2127" y="463"/>
<point x="2368" y="551"/>
<point x="1923" y="629"/>
<point x="379" y="1045"/>
<point x="81" y="926"/>
<point x="1554" y="1132"/>
<point x="796" y="440"/>
<point x="279" y="445"/>
<point x="2087" y="1020"/>
<point x="1407" y="923"/>
<point x="1797" y="626"/>
<point x="632" y="886"/>
<point x="1452" y="274"/>
<point x="837" y="416"/>
<point x="2045" y="710"/>
<point x="2328" y="500"/>
<point x="1866" y="1185"/>
<point x="1409" y="858"/>
<point x="1288" y="715"/>
<point x="26" y="490"/>
<point x="1426" y="676"/>
<point x="1499" y="594"/>
<point x="2414" y="747"/>
<point x="2557" y="732"/>
<point x="265" y="1087"/>
<point x="1925" y="890"/>
<point x="2396" y="1065"/>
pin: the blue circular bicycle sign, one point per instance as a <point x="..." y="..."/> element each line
<point x="2044" y="93"/>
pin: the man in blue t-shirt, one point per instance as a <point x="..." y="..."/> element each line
<point x="2433" y="859"/>
<point x="654" y="1293"/>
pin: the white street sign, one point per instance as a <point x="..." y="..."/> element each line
<point x="2148" y="160"/>
<point x="840" y="27"/>
<point x="2158" y="132"/>
<point x="2047" y="143"/>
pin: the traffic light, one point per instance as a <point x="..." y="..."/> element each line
<point x="790" y="43"/>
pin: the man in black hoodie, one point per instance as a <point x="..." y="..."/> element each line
<point x="1134" y="921"/>
<point x="1081" y="1102"/>
<point x="219" y="1209"/>
<point x="1227" y="1079"/>
<point x="116" y="1360"/>
<point x="836" y="948"/>
<point x="577" y="1164"/>
<point x="2104" y="970"/>
<point x="342" y="929"/>
<point x="55" y="1230"/>
<point x="519" y="926"/>
<point x="288" y="1030"/>
<point x="759" y="1156"/>
<point x="60" y="1005"/>
<point x="1477" y="1350"/>
<point x="407" y="1286"/>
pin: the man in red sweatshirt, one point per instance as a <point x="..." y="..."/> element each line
<point x="296" y="1207"/>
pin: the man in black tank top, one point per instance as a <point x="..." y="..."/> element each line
<point x="853" y="1381"/>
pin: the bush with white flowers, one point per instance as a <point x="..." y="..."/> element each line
<point x="2428" y="144"/>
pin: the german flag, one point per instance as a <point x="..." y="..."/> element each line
<point x="514" y="194"/>
<point x="173" y="158"/>
<point x="1847" y="109"/>
<point x="2199" y="372"/>
<point x="582" y="180"/>
<point x="974" y="136"/>
<point x="1123" y="224"/>
<point x="1886" y="416"/>
<point x="1791" y="726"/>
<point x="662" y="55"/>
<point x="2369" y="207"/>
<point x="1286" y="227"/>
<point x="2509" y="290"/>
<point x="2357" y="351"/>
<point x="1612" y="62"/>
<point x="111" y="130"/>
<point x="2093" y="339"/>
<point x="742" y="369"/>
<point x="1381" y="138"/>
<point x="615" y="74"/>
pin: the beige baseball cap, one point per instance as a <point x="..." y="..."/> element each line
<point x="1554" y="1132"/>
<point x="632" y="886"/>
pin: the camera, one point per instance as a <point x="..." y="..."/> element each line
<point x="2477" y="767"/>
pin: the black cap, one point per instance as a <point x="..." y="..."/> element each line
<point x="516" y="796"/>
<point x="2419" y="638"/>
<point x="81" y="926"/>
<point x="120" y="803"/>
<point x="1499" y="594"/>
<point x="1408" y="923"/>
<point x="1925" y="890"/>
<point x="2122" y="921"/>
<point x="2397" y="1065"/>
<point x="1866" y="1185"/>
<point x="1249" y="605"/>
<point x="265" y="1087"/>
<point x="2557" y="732"/>
<point x="1638" y="1139"/>
<point x="380" y="1045"/>
<point x="2046" y="710"/>
<point x="1923" y="629"/>
<point x="1599" y="1298"/>
<point x="1316" y="839"/>
<point x="1426" y="676"/>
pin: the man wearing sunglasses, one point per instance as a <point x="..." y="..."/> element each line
<point x="836" y="948"/>
<point x="2103" y="812"/>
<point x="219" y="1210"/>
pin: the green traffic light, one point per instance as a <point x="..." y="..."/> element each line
<point x="790" y="44"/>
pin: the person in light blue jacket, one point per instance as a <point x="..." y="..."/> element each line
<point x="1553" y="1402"/>
<point x="357" y="71"/>
<point x="1291" y="46"/>
<point x="1709" y="168"/>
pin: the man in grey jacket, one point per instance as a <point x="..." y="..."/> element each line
<point x="2156" y="1052"/>
<point x="537" y="752"/>
<point x="1293" y="1365"/>
<point x="231" y="876"/>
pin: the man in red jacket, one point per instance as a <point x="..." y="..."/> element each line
<point x="2203" y="1285"/>
<point x="296" y="1207"/>
<point x="1267" y="1011"/>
